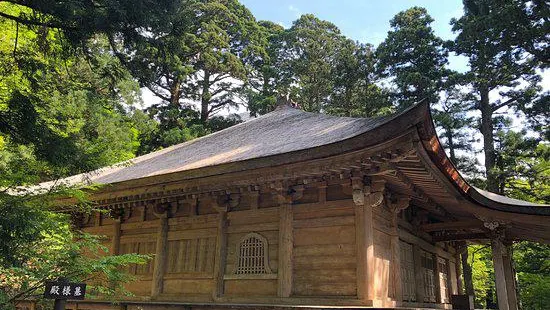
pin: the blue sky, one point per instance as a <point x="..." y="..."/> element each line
<point x="367" y="21"/>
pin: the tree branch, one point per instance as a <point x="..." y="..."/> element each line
<point x="36" y="23"/>
<point x="503" y="104"/>
<point x="156" y="93"/>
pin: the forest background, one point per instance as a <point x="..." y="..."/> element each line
<point x="71" y="82"/>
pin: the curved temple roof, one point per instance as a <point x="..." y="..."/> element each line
<point x="291" y="131"/>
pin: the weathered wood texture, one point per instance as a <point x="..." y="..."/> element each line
<point x="322" y="240"/>
<point x="159" y="267"/>
<point x="324" y="251"/>
<point x="265" y="222"/>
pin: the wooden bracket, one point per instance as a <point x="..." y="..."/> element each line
<point x="120" y="212"/>
<point x="397" y="204"/>
<point x="165" y="209"/>
<point x="368" y="192"/>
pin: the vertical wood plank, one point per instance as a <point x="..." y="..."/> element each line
<point x="285" y="251"/>
<point x="115" y="243"/>
<point x="437" y="280"/>
<point x="254" y="200"/>
<point x="502" y="295"/>
<point x="322" y="192"/>
<point x="221" y="255"/>
<point x="160" y="257"/>
<point x="458" y="273"/>
<point x="366" y="281"/>
<point x="510" y="278"/>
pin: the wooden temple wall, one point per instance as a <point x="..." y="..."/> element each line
<point x="323" y="259"/>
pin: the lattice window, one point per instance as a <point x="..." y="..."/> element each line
<point x="252" y="255"/>
<point x="407" y="272"/>
<point x="428" y="275"/>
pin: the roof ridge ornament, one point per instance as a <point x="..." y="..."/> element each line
<point x="284" y="102"/>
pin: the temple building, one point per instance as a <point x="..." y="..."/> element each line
<point x="303" y="209"/>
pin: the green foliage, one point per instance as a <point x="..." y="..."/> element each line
<point x="38" y="244"/>
<point x="62" y="111"/>
<point x="482" y="274"/>
<point x="533" y="270"/>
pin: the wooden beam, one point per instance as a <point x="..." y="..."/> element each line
<point x="221" y="255"/>
<point x="286" y="244"/>
<point x="366" y="198"/>
<point x="458" y="273"/>
<point x="115" y="242"/>
<point x="456" y="225"/>
<point x="437" y="279"/>
<point x="160" y="256"/>
<point x="460" y="237"/>
<point x="510" y="278"/>
<point x="500" y="277"/>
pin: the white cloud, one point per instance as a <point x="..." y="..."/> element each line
<point x="297" y="12"/>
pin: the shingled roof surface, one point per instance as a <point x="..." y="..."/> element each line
<point x="281" y="131"/>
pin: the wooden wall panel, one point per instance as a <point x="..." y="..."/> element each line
<point x="251" y="287"/>
<point x="188" y="286"/>
<point x="324" y="252"/>
<point x="191" y="255"/>
<point x="335" y="192"/>
<point x="145" y="247"/>
<point x="139" y="287"/>
<point x="382" y="264"/>
<point x="314" y="211"/>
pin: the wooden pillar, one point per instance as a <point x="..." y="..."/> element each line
<point x="449" y="283"/>
<point x="437" y="280"/>
<point x="365" y="251"/>
<point x="221" y="254"/>
<point x="115" y="242"/>
<point x="396" y="207"/>
<point x="161" y="212"/>
<point x="286" y="244"/>
<point x="510" y="278"/>
<point x="365" y="198"/>
<point x="467" y="273"/>
<point x="458" y="272"/>
<point x="500" y="277"/>
<point x="419" y="273"/>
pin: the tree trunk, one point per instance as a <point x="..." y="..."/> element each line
<point x="205" y="97"/>
<point x="488" y="139"/>
<point x="451" y="145"/>
<point x="175" y="94"/>
<point x="467" y="271"/>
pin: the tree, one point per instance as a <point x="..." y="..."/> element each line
<point x="309" y="55"/>
<point x="413" y="57"/>
<point x="355" y="92"/>
<point x="197" y="60"/>
<point x="60" y="114"/>
<point x="503" y="61"/>
<point x="267" y="74"/>
<point x="451" y="116"/>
